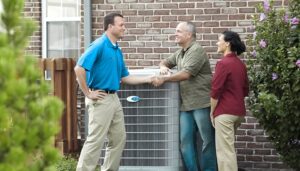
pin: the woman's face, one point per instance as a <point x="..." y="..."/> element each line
<point x="222" y="45"/>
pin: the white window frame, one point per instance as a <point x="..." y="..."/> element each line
<point x="46" y="20"/>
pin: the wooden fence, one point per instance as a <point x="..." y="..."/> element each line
<point x="61" y="73"/>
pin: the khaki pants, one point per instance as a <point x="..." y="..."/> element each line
<point x="106" y="119"/>
<point x="225" y="126"/>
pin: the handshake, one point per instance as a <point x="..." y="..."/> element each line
<point x="163" y="76"/>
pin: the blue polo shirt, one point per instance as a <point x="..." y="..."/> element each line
<point x="104" y="64"/>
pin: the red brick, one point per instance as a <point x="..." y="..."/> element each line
<point x="240" y="144"/>
<point x="212" y="11"/>
<point x="170" y="6"/>
<point x="245" y="164"/>
<point x="203" y="30"/>
<point x="219" y="30"/>
<point x="128" y="50"/>
<point x="210" y="37"/>
<point x="136" y="31"/>
<point x="238" y="4"/>
<point x="220" y="17"/>
<point x="145" y="12"/>
<point x="185" y="18"/>
<point x="130" y="62"/>
<point x="254" y="158"/>
<point x="262" y="165"/>
<point x="254" y="145"/>
<point x="245" y="151"/>
<point x="136" y="56"/>
<point x="144" y="50"/>
<point x="253" y="4"/>
<point x="161" y="12"/>
<point x="244" y="138"/>
<point x="204" y="5"/>
<point x="153" y="18"/>
<point x="202" y="17"/>
<point x="227" y="23"/>
<point x="195" y="11"/>
<point x="161" y="25"/>
<point x="145" y="63"/>
<point x="169" y="18"/>
<point x="187" y="5"/>
<point x="178" y="12"/>
<point x="262" y="152"/>
<point x="161" y="50"/>
<point x="211" y="24"/>
<point x="272" y="158"/>
<point x="152" y="56"/>
<point x="246" y="10"/>
<point x="237" y="17"/>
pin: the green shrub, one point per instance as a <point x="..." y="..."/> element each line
<point x="28" y="115"/>
<point x="66" y="164"/>
<point x="274" y="71"/>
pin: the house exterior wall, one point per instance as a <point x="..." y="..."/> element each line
<point x="150" y="38"/>
<point x="32" y="10"/>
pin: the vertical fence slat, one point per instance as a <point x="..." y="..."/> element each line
<point x="63" y="82"/>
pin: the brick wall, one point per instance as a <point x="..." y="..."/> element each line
<point x="150" y="38"/>
<point x="32" y="9"/>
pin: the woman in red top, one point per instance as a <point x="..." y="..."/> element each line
<point x="229" y="87"/>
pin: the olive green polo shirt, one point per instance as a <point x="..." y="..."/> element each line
<point x="194" y="92"/>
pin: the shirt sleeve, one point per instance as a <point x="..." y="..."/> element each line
<point x="171" y="60"/>
<point x="218" y="81"/>
<point x="89" y="57"/>
<point x="195" y="59"/>
<point x="125" y="72"/>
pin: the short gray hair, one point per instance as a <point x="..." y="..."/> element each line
<point x="191" y="28"/>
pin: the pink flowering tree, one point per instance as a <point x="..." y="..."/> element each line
<point x="274" y="71"/>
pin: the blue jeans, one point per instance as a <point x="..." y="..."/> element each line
<point x="189" y="122"/>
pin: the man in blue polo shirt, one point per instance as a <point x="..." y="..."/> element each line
<point x="99" y="71"/>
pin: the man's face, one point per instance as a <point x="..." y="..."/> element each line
<point x="182" y="36"/>
<point x="118" y="28"/>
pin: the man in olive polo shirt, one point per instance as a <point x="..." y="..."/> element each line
<point x="194" y="76"/>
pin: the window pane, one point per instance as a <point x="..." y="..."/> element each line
<point x="54" y="8"/>
<point x="70" y="8"/>
<point x="63" y="39"/>
<point x="71" y="39"/>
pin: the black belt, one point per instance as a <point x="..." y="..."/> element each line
<point x="106" y="91"/>
<point x="110" y="91"/>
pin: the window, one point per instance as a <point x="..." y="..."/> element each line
<point x="61" y="28"/>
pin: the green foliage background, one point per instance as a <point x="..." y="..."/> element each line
<point x="275" y="79"/>
<point x="28" y="115"/>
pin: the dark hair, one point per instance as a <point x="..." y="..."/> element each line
<point x="236" y="45"/>
<point x="110" y="19"/>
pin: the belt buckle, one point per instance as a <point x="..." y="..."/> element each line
<point x="110" y="91"/>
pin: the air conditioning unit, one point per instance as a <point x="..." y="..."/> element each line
<point x="152" y="126"/>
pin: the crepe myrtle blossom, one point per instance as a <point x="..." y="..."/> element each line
<point x="295" y="21"/>
<point x="253" y="53"/>
<point x="254" y="35"/>
<point x="262" y="44"/>
<point x="298" y="63"/>
<point x="266" y="5"/>
<point x="286" y="18"/>
<point x="262" y="17"/>
<point x="274" y="76"/>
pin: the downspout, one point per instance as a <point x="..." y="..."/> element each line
<point x="87" y="31"/>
